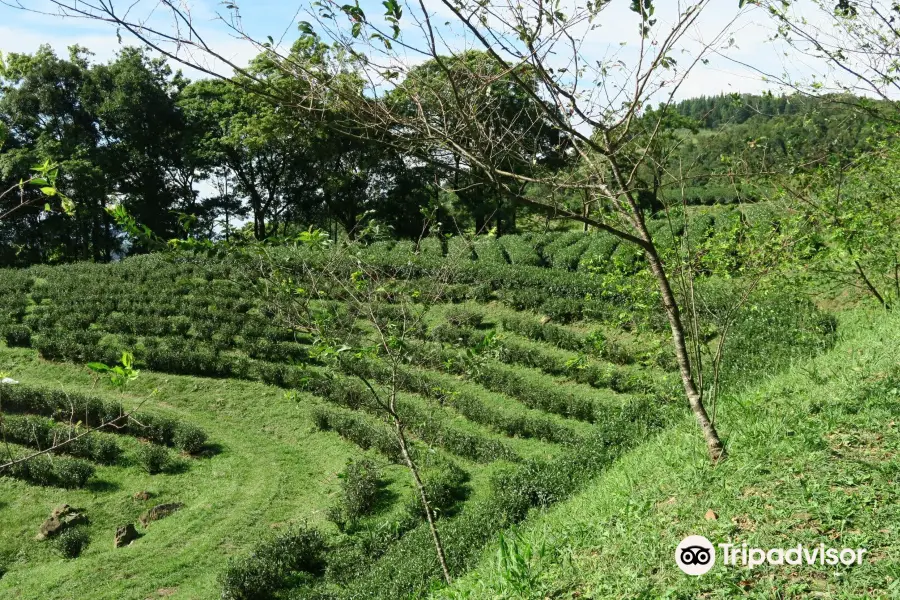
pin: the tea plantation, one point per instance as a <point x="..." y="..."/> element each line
<point x="287" y="483"/>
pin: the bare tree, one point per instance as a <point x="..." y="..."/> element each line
<point x="407" y="78"/>
<point x="372" y="315"/>
<point x="856" y="42"/>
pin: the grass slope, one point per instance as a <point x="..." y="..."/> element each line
<point x="271" y="469"/>
<point x="813" y="458"/>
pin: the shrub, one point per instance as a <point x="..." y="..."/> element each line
<point x="157" y="429"/>
<point x="363" y="431"/>
<point x="520" y="250"/>
<point x="429" y="428"/>
<point x="408" y="567"/>
<point x="535" y="393"/>
<point x="56" y="471"/>
<point x="18" y="335"/>
<point x="460" y="316"/>
<point x="154" y="459"/>
<point x="563" y="310"/>
<point x="72" y="542"/>
<point x="445" y="486"/>
<point x="189" y="438"/>
<point x="274" y="564"/>
<point x="73" y="473"/>
<point x="102" y="449"/>
<point x="359" y="492"/>
<point x="39" y="432"/>
<point x="58" y="404"/>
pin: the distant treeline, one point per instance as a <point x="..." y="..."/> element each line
<point x="224" y="161"/>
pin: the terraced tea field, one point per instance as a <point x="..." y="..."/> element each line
<point x="234" y="418"/>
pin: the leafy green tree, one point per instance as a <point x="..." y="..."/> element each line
<point x="115" y="132"/>
<point x="855" y="211"/>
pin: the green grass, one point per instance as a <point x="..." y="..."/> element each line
<point x="813" y="458"/>
<point x="272" y="468"/>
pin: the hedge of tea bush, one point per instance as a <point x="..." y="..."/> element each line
<point x="275" y="564"/>
<point x="93" y="412"/>
<point x="58" y="471"/>
<point x="409" y="568"/>
<point x="520" y="250"/>
<point x="41" y="433"/>
<point x="428" y="426"/>
<point x="447" y="391"/>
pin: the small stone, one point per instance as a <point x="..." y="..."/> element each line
<point x="62" y="517"/>
<point x="8" y="381"/>
<point x="125" y="535"/>
<point x="711" y="515"/>
<point x="160" y="511"/>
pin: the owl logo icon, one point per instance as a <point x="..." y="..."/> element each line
<point x="695" y="555"/>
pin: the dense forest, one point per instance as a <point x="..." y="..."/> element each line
<point x="215" y="161"/>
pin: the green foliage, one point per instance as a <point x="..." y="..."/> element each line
<point x="17" y="335"/>
<point x="40" y="433"/>
<point x="854" y="217"/>
<point x="153" y="459"/>
<point x="445" y="487"/>
<point x="358" y="495"/>
<point x="189" y="438"/>
<point x="274" y="564"/>
<point x="120" y="375"/>
<point x="362" y="431"/>
<point x="775" y="328"/>
<point x="459" y="316"/>
<point x="57" y="471"/>
<point x="72" y="542"/>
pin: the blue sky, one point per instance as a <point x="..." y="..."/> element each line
<point x="21" y="31"/>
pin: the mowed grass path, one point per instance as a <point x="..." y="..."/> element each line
<point x="270" y="469"/>
<point x="814" y="458"/>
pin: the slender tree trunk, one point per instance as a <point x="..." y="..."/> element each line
<point x="872" y="288"/>
<point x="695" y="399"/>
<point x="420" y="488"/>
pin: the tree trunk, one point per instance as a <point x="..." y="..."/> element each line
<point x="420" y="487"/>
<point x="429" y="515"/>
<point x="695" y="399"/>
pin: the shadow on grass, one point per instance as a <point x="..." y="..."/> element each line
<point x="101" y="485"/>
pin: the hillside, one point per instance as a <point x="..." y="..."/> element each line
<point x="815" y="460"/>
<point x="571" y="373"/>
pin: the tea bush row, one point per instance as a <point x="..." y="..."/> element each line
<point x="363" y="430"/>
<point x="409" y="568"/>
<point x="569" y="257"/>
<point x="579" y="368"/>
<point x="352" y="555"/>
<point x="520" y="250"/>
<point x="94" y="412"/>
<point x="42" y="433"/>
<point x="489" y="249"/>
<point x="533" y="392"/>
<point x="58" y="471"/>
<point x="358" y="494"/>
<point x="446" y="391"/>
<point x="595" y="343"/>
<point x="425" y="425"/>
<point x="275" y="564"/>
<point x="431" y="429"/>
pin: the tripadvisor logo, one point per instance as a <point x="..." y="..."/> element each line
<point x="696" y="555"/>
